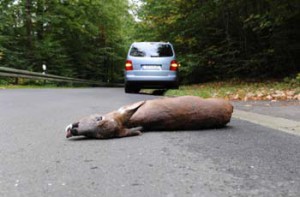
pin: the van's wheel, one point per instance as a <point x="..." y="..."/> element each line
<point x="131" y="90"/>
<point x="136" y="90"/>
<point x="127" y="89"/>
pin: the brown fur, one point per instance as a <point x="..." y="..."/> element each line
<point x="182" y="113"/>
<point x="178" y="113"/>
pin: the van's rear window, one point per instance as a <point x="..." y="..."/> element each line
<point x="151" y="50"/>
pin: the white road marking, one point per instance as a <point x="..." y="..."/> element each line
<point x="282" y="124"/>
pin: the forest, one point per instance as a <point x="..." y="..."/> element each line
<point x="214" y="40"/>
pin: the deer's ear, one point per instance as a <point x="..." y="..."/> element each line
<point x="127" y="111"/>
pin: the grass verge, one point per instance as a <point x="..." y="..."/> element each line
<point x="240" y="90"/>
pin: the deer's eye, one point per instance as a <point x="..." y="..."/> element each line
<point x="99" y="118"/>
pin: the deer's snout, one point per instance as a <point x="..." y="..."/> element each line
<point x="71" y="130"/>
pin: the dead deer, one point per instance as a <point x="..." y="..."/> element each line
<point x="164" y="114"/>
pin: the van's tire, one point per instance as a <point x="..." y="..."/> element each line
<point x="131" y="90"/>
<point x="127" y="90"/>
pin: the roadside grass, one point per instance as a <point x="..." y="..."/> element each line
<point x="36" y="84"/>
<point x="11" y="86"/>
<point x="31" y="86"/>
<point x="241" y="90"/>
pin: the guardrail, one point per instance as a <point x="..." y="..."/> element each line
<point x="17" y="73"/>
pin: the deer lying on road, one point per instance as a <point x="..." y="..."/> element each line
<point x="166" y="114"/>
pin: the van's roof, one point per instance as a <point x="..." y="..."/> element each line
<point x="154" y="42"/>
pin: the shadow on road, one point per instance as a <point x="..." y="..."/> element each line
<point x="221" y="129"/>
<point x="160" y="92"/>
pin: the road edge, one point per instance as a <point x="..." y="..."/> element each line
<point x="281" y="124"/>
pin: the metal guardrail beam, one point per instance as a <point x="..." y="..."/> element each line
<point x="17" y="73"/>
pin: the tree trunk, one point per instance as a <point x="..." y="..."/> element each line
<point x="28" y="23"/>
<point x="28" y="26"/>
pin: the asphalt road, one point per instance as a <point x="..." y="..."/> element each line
<point x="243" y="159"/>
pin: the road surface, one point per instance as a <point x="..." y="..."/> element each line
<point x="243" y="159"/>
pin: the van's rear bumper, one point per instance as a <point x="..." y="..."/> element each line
<point x="161" y="79"/>
<point x="152" y="84"/>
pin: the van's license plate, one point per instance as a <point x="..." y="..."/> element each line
<point x="151" y="67"/>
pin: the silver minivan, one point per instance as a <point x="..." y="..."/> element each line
<point x="151" y="65"/>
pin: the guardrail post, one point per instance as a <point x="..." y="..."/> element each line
<point x="17" y="81"/>
<point x="44" y="67"/>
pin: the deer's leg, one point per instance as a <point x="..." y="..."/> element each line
<point x="130" y="132"/>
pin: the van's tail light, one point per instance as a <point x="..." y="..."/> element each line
<point x="174" y="65"/>
<point x="128" y="65"/>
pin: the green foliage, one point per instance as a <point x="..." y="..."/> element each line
<point x="85" y="39"/>
<point x="214" y="40"/>
<point x="293" y="80"/>
<point x="298" y="78"/>
<point x="227" y="39"/>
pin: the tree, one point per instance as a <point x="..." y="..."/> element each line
<point x="226" y="39"/>
<point x="83" y="39"/>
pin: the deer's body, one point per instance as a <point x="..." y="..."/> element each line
<point x="178" y="113"/>
<point x="182" y="113"/>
